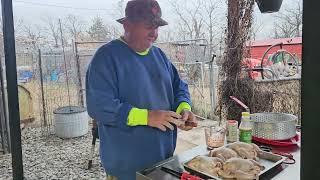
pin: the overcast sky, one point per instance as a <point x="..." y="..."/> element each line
<point x="33" y="11"/>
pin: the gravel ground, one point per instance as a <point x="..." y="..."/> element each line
<point x="54" y="158"/>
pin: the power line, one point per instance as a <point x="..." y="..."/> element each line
<point x="60" y="6"/>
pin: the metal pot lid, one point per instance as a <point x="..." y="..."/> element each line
<point x="69" y="110"/>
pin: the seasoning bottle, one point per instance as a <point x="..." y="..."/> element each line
<point x="245" y="128"/>
<point x="232" y="131"/>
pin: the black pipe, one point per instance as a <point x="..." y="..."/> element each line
<point x="12" y="88"/>
<point x="310" y="88"/>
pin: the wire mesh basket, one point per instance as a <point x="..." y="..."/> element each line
<point x="274" y="126"/>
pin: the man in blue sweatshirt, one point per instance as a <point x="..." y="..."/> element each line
<point x="136" y="95"/>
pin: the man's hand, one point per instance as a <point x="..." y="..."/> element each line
<point x="189" y="119"/>
<point x="163" y="119"/>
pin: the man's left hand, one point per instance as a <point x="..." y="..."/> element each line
<point x="190" y="120"/>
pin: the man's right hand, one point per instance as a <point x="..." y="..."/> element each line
<point x="163" y="119"/>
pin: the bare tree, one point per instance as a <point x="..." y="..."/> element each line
<point x="75" y="26"/>
<point x="53" y="29"/>
<point x="114" y="31"/>
<point x="118" y="12"/>
<point x="33" y="35"/>
<point x="98" y="30"/>
<point x="198" y="19"/>
<point x="191" y="21"/>
<point x="289" y="21"/>
<point x="18" y="24"/>
<point x="119" y="9"/>
<point x="166" y="34"/>
<point x="257" y="26"/>
<point x="210" y="20"/>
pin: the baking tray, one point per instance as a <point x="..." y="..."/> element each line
<point x="269" y="160"/>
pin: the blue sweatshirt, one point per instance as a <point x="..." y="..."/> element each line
<point x="118" y="79"/>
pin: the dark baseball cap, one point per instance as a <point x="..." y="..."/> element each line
<point x="147" y="11"/>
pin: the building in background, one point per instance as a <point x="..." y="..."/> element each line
<point x="284" y="60"/>
<point x="256" y="49"/>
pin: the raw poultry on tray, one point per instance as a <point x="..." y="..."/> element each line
<point x="223" y="153"/>
<point x="240" y="169"/>
<point x="235" y="161"/>
<point x="210" y="165"/>
<point x="245" y="150"/>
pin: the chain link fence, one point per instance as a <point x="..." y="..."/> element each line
<point x="52" y="83"/>
<point x="191" y="59"/>
<point x="44" y="75"/>
<point x="58" y="81"/>
<point x="197" y="68"/>
<point x="84" y="52"/>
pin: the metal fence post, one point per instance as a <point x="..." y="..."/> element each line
<point x="3" y="119"/>
<point x="203" y="89"/>
<point x="212" y="84"/>
<point x="44" y="110"/>
<point x="77" y="58"/>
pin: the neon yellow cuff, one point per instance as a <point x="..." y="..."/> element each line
<point x="183" y="106"/>
<point x="137" y="117"/>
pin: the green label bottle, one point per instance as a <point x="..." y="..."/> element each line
<point x="245" y="128"/>
<point x="245" y="135"/>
